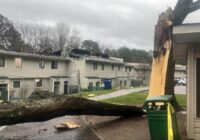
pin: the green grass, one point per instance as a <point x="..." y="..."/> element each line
<point x="139" y="98"/>
<point x="182" y="100"/>
<point x="96" y="93"/>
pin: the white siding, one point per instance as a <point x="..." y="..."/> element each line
<point x="190" y="93"/>
<point x="30" y="68"/>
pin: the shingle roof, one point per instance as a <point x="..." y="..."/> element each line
<point x="37" y="56"/>
<point x="103" y="60"/>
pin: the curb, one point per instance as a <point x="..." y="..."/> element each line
<point x="92" y="129"/>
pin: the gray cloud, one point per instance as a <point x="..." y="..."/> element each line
<point x="116" y="22"/>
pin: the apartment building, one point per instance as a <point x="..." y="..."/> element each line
<point x="95" y="70"/>
<point x="21" y="74"/>
<point x="180" y="72"/>
<point x="139" y="72"/>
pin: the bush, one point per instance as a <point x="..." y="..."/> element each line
<point x="85" y="90"/>
<point x="136" y="83"/>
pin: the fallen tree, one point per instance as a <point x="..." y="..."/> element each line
<point x="45" y="109"/>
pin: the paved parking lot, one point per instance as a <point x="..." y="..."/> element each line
<point x="46" y="131"/>
<point x="180" y="89"/>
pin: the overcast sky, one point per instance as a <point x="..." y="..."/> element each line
<point x="115" y="22"/>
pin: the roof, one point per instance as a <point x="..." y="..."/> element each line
<point x="31" y="77"/>
<point x="182" y="36"/>
<point x="139" y="65"/>
<point x="37" y="56"/>
<point x="103" y="60"/>
<point x="186" y="28"/>
<point x="3" y="77"/>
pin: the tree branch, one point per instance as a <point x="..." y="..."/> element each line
<point x="181" y="11"/>
<point x="194" y="6"/>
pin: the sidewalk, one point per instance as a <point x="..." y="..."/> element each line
<point x="118" y="93"/>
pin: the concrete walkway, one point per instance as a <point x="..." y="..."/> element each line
<point x="118" y="93"/>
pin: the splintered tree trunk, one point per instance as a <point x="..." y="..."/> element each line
<point x="163" y="51"/>
<point x="163" y="61"/>
<point x="45" y="109"/>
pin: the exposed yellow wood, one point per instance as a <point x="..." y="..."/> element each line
<point x="159" y="72"/>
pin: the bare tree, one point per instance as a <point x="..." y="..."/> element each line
<point x="74" y="40"/>
<point x="46" y="40"/>
<point x="61" y="35"/>
<point x="31" y="34"/>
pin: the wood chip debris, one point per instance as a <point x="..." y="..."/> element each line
<point x="91" y="95"/>
<point x="68" y="125"/>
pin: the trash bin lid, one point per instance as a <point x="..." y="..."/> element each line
<point x="157" y="99"/>
<point x="164" y="98"/>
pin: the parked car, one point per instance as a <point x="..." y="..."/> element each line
<point x="176" y="82"/>
<point x="182" y="81"/>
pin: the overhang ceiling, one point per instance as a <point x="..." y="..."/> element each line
<point x="183" y="36"/>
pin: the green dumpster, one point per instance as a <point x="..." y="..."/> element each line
<point x="156" y="108"/>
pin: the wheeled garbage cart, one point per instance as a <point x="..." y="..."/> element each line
<point x="161" y="118"/>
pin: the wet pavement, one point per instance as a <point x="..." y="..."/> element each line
<point x="46" y="131"/>
<point x="132" y="128"/>
<point x="179" y="89"/>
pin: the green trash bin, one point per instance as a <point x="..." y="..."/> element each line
<point x="156" y="108"/>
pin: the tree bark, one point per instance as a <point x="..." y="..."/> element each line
<point x="45" y="109"/>
<point x="163" y="33"/>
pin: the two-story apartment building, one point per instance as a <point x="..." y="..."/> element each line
<point x="180" y="71"/>
<point x="138" y="71"/>
<point x="21" y="74"/>
<point x="94" y="70"/>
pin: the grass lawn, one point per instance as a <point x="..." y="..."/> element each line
<point x="139" y="98"/>
<point x="94" y="93"/>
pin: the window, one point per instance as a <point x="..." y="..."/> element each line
<point x="95" y="66"/>
<point x="2" y="61"/>
<point x="101" y="82"/>
<point x="18" y="63"/>
<point x="102" y="67"/>
<point x="113" y="67"/>
<point x="118" y="67"/>
<point x="41" y="64"/>
<point x="126" y="69"/>
<point x="16" y="84"/>
<point x="90" y="84"/>
<point x="39" y="83"/>
<point x="129" y="69"/>
<point x="54" y="65"/>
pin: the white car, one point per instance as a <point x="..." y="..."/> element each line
<point x="182" y="81"/>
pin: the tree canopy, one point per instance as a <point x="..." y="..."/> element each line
<point x="91" y="46"/>
<point x="10" y="38"/>
<point x="132" y="55"/>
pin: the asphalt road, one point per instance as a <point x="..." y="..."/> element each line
<point x="46" y="131"/>
<point x="180" y="90"/>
